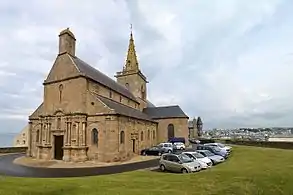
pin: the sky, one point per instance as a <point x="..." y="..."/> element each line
<point x="228" y="61"/>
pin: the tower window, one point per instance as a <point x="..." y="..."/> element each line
<point x="60" y="92"/>
<point x="127" y="85"/>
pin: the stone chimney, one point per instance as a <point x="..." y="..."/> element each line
<point x="67" y="42"/>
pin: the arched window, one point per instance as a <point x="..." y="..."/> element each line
<point x="154" y="134"/>
<point x="170" y="131"/>
<point x="149" y="134"/>
<point x="141" y="136"/>
<point x="122" y="137"/>
<point x="120" y="98"/>
<point x="38" y="136"/>
<point x="58" y="123"/>
<point x="95" y="136"/>
<point x="110" y="94"/>
<point x="127" y="85"/>
<point x="60" y="92"/>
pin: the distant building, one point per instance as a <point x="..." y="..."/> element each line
<point x="20" y="140"/>
<point x="195" y="128"/>
<point x="281" y="138"/>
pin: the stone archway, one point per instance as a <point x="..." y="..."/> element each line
<point x="171" y="132"/>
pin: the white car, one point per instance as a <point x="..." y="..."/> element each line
<point x="205" y="162"/>
<point x="179" y="146"/>
<point x="221" y="146"/>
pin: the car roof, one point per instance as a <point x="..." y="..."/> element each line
<point x="203" y="150"/>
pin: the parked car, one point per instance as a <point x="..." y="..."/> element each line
<point x="216" y="159"/>
<point x="214" y="149"/>
<point x="178" y="163"/>
<point x="179" y="146"/>
<point x="205" y="162"/>
<point x="194" y="141"/>
<point x="220" y="145"/>
<point x="154" y="151"/>
<point x="166" y="147"/>
<point x="177" y="139"/>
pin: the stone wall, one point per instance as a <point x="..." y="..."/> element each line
<point x="180" y="128"/>
<point x="12" y="149"/>
<point x="281" y="145"/>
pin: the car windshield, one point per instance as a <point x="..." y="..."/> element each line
<point x="208" y="153"/>
<point x="221" y="145"/>
<point x="198" y="155"/>
<point x="185" y="159"/>
<point x="216" y="149"/>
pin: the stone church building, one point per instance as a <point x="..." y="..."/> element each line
<point x="86" y="115"/>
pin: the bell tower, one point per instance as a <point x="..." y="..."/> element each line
<point x="131" y="76"/>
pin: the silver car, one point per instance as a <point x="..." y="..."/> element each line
<point x="216" y="159"/>
<point x="178" y="163"/>
<point x="166" y="147"/>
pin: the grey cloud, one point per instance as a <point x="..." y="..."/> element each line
<point x="201" y="72"/>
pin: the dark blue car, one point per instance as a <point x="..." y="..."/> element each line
<point x="177" y="139"/>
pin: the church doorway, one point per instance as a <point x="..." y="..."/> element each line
<point x="171" y="132"/>
<point x="58" y="149"/>
<point x="133" y="145"/>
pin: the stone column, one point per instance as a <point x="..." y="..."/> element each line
<point x="41" y="134"/>
<point x="48" y="133"/>
<point x="29" y="153"/>
<point x="69" y="137"/>
<point x="77" y="134"/>
<point x="84" y="134"/>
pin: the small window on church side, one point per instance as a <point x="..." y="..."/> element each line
<point x="122" y="137"/>
<point x="154" y="134"/>
<point x="127" y="85"/>
<point x="141" y="136"/>
<point x="120" y="98"/>
<point x="110" y="94"/>
<point x="149" y="134"/>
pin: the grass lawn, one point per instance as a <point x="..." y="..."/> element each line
<point x="250" y="170"/>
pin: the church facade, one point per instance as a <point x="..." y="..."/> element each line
<point x="85" y="115"/>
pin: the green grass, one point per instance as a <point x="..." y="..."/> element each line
<point x="250" y="170"/>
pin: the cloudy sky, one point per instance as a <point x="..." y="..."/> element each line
<point x="228" y="61"/>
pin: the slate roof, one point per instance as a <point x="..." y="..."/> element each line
<point x="92" y="73"/>
<point x="150" y="104"/>
<point x="165" y="112"/>
<point x="124" y="110"/>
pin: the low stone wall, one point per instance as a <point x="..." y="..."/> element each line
<point x="12" y="149"/>
<point x="281" y="145"/>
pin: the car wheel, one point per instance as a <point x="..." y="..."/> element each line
<point x="169" y="151"/>
<point x="213" y="163"/>
<point x="181" y="148"/>
<point x="159" y="153"/>
<point x="184" y="170"/>
<point x="144" y="153"/>
<point x="162" y="168"/>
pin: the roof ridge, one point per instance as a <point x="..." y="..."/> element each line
<point x="166" y="106"/>
<point x="70" y="56"/>
<point x="99" y="77"/>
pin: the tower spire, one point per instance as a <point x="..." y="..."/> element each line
<point x="131" y="59"/>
